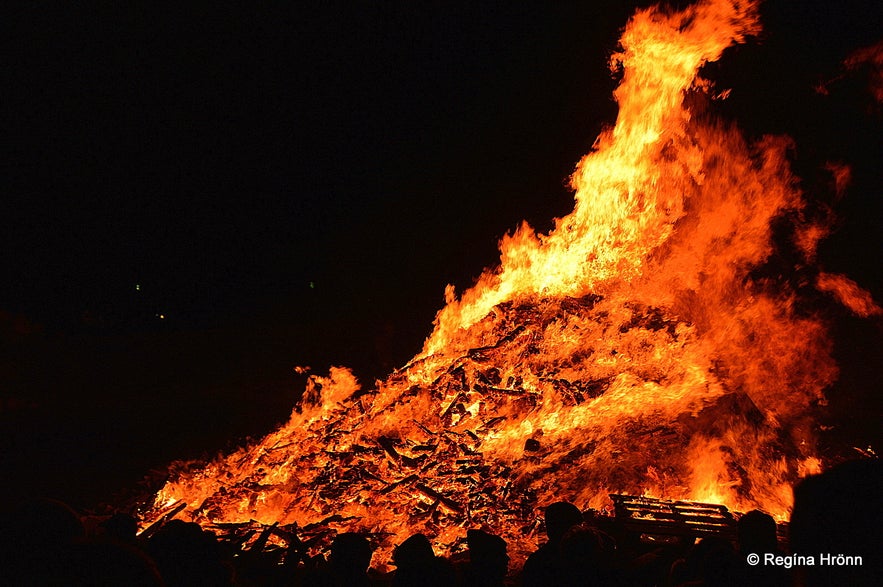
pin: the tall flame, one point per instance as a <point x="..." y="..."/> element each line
<point x="627" y="199"/>
<point x="637" y="347"/>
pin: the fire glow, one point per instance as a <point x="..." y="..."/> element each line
<point x="636" y="348"/>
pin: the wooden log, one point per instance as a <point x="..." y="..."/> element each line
<point x="388" y="445"/>
<point x="445" y="501"/>
<point x="399" y="483"/>
<point x="493" y="422"/>
<point x="173" y="511"/>
<point x="459" y="399"/>
<point x="507" y="390"/>
<point x="333" y="519"/>
<point x="261" y="542"/>
<point x="424" y="428"/>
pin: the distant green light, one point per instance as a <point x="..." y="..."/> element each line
<point x="312" y="285"/>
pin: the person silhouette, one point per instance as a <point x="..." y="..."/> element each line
<point x="544" y="566"/>
<point x="348" y="561"/>
<point x="488" y="560"/>
<point x="417" y="565"/>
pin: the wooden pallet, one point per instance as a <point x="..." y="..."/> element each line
<point x="648" y="515"/>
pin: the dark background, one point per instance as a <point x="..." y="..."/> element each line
<point x="195" y="201"/>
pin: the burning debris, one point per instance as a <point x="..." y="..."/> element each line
<point x="636" y="348"/>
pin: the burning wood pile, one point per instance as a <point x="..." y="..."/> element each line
<point x="638" y="348"/>
<point x="418" y="460"/>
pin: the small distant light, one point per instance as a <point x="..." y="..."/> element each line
<point x="162" y="316"/>
<point x="137" y="287"/>
<point x="312" y="285"/>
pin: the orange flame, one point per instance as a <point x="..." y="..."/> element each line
<point x="635" y="346"/>
<point x="848" y="293"/>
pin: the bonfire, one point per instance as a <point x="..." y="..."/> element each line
<point x="639" y="347"/>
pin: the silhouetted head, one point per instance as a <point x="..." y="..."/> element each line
<point x="585" y="555"/>
<point x="417" y="565"/>
<point x="583" y="543"/>
<point x="413" y="552"/>
<point x="485" y="546"/>
<point x="350" y="554"/>
<point x="178" y="534"/>
<point x="757" y="532"/>
<point x="487" y="556"/>
<point x="186" y="554"/>
<point x="121" y="527"/>
<point x="717" y="559"/>
<point x="561" y="517"/>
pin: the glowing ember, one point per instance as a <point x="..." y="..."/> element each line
<point x="633" y="349"/>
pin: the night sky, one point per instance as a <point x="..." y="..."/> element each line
<point x="194" y="201"/>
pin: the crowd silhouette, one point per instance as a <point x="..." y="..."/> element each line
<point x="838" y="513"/>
